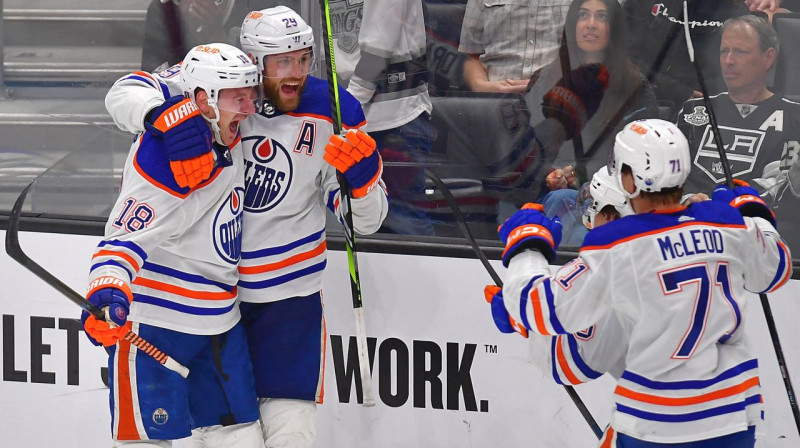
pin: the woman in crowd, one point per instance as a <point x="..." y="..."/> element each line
<point x="594" y="33"/>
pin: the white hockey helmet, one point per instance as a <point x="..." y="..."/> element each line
<point x="215" y="67"/>
<point x="274" y="31"/>
<point x="604" y="190"/>
<point x="657" y="153"/>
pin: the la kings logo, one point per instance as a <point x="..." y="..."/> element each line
<point x="742" y="148"/>
<point x="267" y="175"/>
<point x="346" y="23"/>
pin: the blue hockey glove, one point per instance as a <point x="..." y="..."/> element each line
<point x="187" y="138"/>
<point x="502" y="320"/>
<point x="745" y="199"/>
<point x="114" y="294"/>
<point x="355" y="157"/>
<point x="576" y="97"/>
<point x="529" y="228"/>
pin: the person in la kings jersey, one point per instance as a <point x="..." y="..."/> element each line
<point x="760" y="130"/>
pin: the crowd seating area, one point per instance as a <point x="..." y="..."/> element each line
<point x="59" y="58"/>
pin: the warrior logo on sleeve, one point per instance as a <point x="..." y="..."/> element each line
<point x="227" y="229"/>
<point x="267" y="175"/>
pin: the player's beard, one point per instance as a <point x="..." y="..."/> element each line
<point x="273" y="92"/>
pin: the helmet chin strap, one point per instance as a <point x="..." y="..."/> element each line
<point x="214" y="122"/>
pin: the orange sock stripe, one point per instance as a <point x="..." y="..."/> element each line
<point x="608" y="438"/>
<point x="126" y="425"/>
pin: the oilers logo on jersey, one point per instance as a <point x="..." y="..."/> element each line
<point x="267" y="175"/>
<point x="227" y="229"/>
<point x="160" y="416"/>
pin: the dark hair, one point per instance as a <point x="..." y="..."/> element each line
<point x="624" y="76"/>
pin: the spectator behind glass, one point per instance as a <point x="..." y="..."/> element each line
<point x="506" y="41"/>
<point x="657" y="44"/>
<point x="390" y="79"/>
<point x="173" y="27"/>
<point x="595" y="32"/>
<point x="759" y="129"/>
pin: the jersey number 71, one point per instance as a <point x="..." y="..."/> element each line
<point x="673" y="281"/>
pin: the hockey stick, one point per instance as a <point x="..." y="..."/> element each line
<point x="773" y="330"/>
<point x="347" y="213"/>
<point x="15" y="251"/>
<point x="462" y="224"/>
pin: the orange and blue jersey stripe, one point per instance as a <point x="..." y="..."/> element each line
<point x="124" y="254"/>
<point x="784" y="270"/>
<point x="543" y="305"/>
<point x="731" y="397"/>
<point x="162" y="286"/>
<point x="283" y="270"/>
<point x="562" y="358"/>
<point x="147" y="80"/>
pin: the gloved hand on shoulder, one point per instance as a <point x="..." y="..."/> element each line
<point x="745" y="199"/>
<point x="187" y="138"/>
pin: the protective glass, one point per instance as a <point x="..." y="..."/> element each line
<point x="295" y="64"/>
<point x="587" y="206"/>
<point x="241" y="101"/>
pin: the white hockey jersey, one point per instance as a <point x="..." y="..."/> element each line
<point x="585" y="355"/>
<point x="677" y="278"/>
<point x="391" y="76"/>
<point x="176" y="248"/>
<point x="288" y="184"/>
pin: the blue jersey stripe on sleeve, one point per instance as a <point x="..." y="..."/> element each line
<point x="553" y="360"/>
<point x="576" y="356"/>
<point x="781" y="268"/>
<point x="113" y="263"/>
<point x="130" y="245"/>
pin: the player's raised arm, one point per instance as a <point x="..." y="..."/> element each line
<point x="140" y="101"/>
<point x="770" y="263"/>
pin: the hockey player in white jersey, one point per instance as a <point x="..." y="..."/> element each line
<point x="583" y="356"/>
<point x="677" y="275"/>
<point x="167" y="270"/>
<point x="288" y="185"/>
